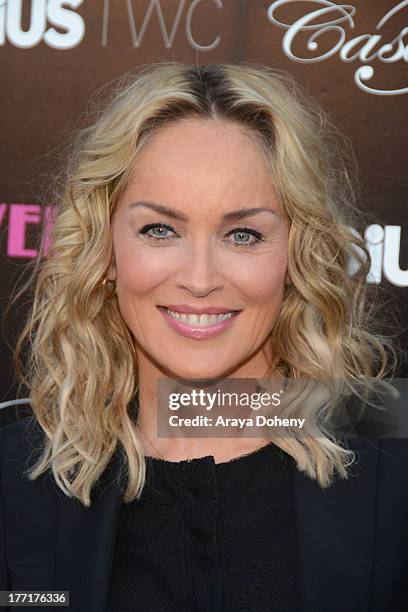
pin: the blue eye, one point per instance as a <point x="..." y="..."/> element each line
<point x="242" y="236"/>
<point x="162" y="230"/>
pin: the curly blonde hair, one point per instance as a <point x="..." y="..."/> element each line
<point x="81" y="367"/>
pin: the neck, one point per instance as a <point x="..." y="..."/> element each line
<point x="184" y="446"/>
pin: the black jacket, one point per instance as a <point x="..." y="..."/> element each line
<point x="352" y="537"/>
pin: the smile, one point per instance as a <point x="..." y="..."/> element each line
<point x="202" y="325"/>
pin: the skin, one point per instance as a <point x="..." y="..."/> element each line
<point x="204" y="169"/>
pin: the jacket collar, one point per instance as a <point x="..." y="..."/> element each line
<point x="335" y="532"/>
<point x="85" y="542"/>
<point x="336" y="535"/>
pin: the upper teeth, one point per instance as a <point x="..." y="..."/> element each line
<point x="199" y="320"/>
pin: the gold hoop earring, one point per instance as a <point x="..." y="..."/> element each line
<point x="108" y="294"/>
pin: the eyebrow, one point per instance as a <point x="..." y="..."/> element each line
<point x="233" y="215"/>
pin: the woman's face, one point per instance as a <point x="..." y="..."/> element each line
<point x="200" y="227"/>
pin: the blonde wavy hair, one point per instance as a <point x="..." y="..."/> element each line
<point x="80" y="367"/>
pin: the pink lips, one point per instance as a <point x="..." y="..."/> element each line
<point x="198" y="332"/>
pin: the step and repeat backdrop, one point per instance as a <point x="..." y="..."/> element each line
<point x="55" y="54"/>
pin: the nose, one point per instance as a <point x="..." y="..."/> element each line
<point x="199" y="272"/>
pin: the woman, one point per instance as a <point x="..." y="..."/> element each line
<point x="218" y="191"/>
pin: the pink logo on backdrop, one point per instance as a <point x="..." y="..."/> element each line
<point x="20" y="218"/>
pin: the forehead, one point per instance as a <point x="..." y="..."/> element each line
<point x="191" y="135"/>
<point x="201" y="162"/>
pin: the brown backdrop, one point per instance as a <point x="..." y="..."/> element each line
<point x="54" y="55"/>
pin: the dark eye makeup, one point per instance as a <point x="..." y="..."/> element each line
<point x="164" y="228"/>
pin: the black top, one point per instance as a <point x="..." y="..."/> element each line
<point x="209" y="536"/>
<point x="352" y="537"/>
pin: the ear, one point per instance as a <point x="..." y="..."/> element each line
<point x="111" y="273"/>
<point x="288" y="280"/>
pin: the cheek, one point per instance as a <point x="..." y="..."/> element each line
<point x="142" y="270"/>
<point x="261" y="279"/>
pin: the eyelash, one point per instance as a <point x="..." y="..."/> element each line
<point x="257" y="235"/>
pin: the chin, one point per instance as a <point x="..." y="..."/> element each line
<point x="196" y="371"/>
